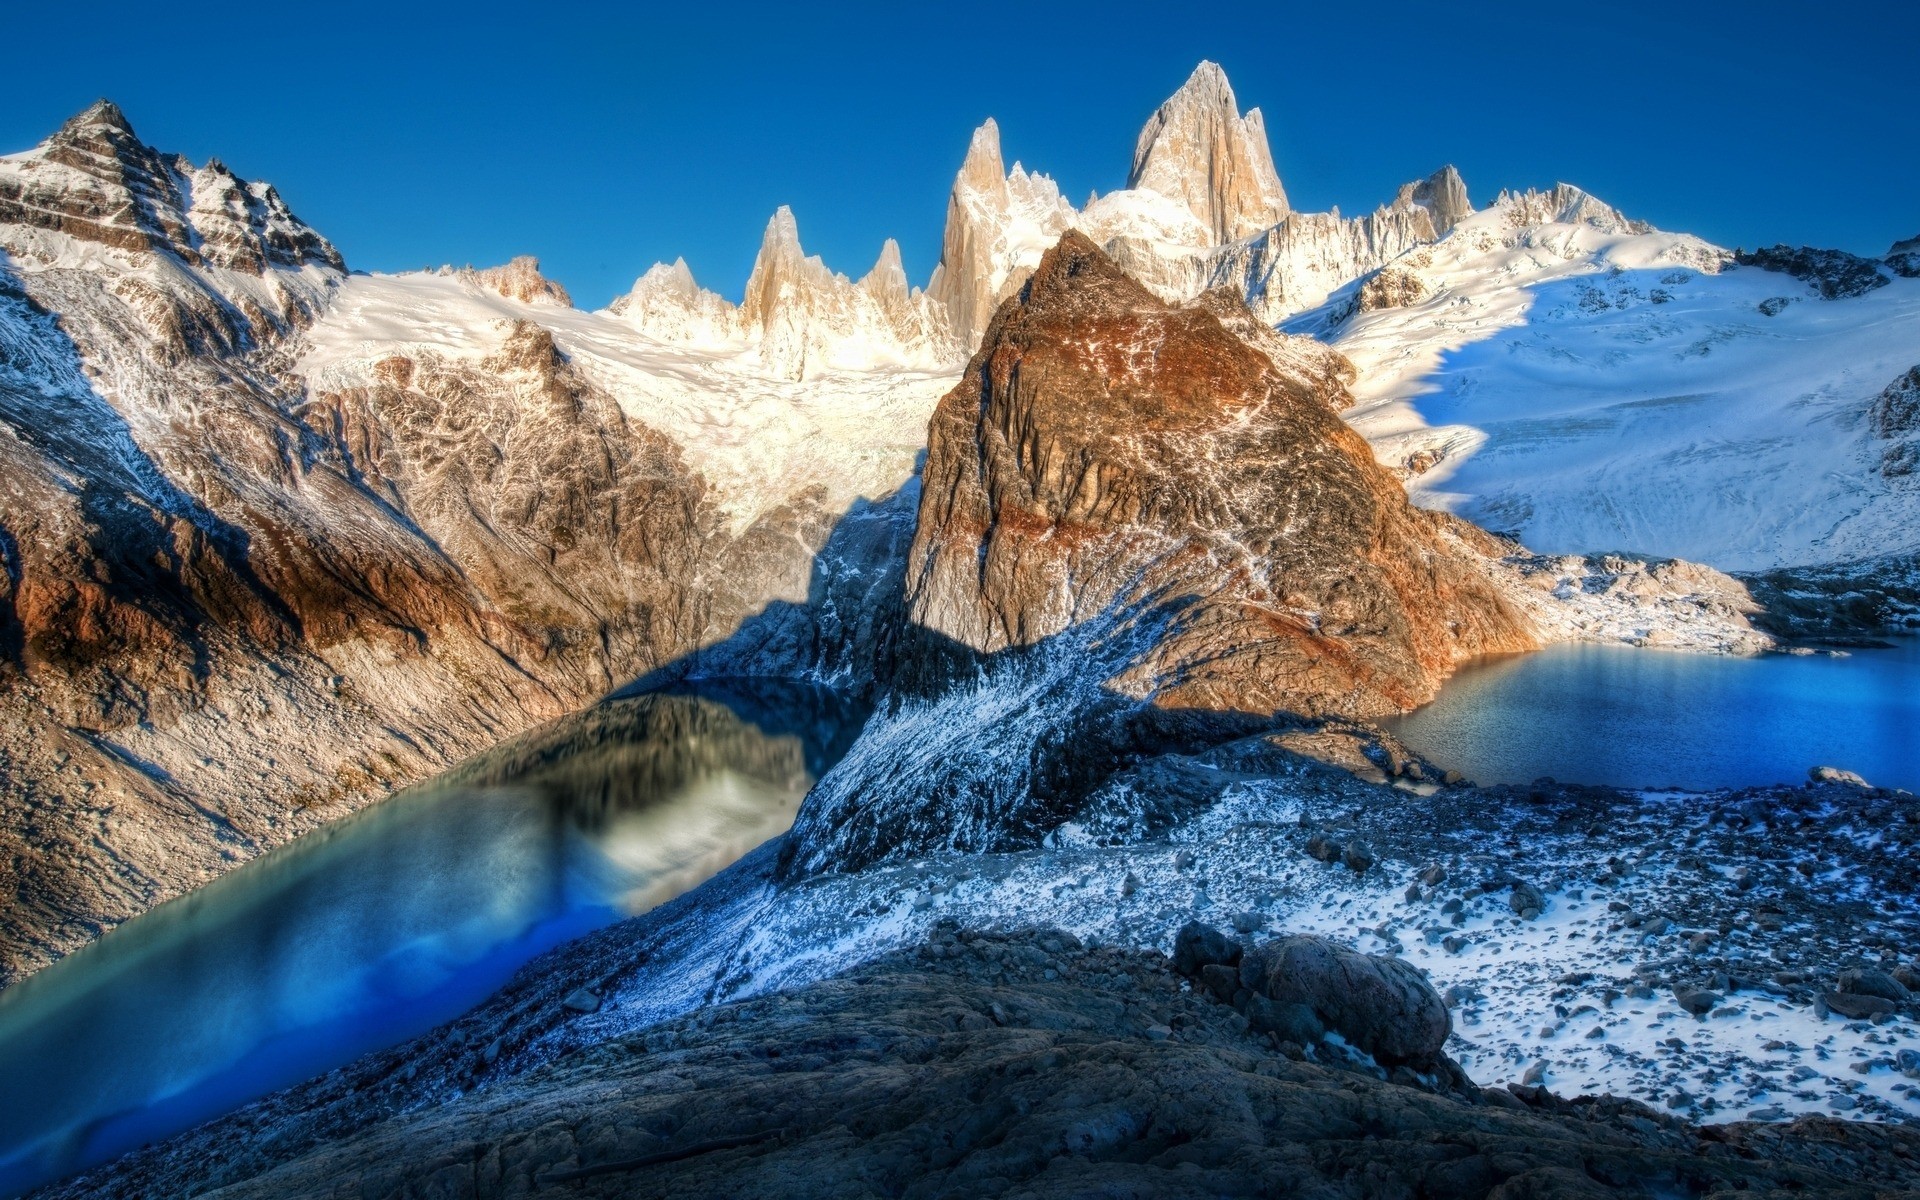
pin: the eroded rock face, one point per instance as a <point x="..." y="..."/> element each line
<point x="1106" y="449"/>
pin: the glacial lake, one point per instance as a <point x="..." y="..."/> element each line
<point x="383" y="925"/>
<point x="1611" y="714"/>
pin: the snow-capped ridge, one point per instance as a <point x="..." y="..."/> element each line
<point x="95" y="181"/>
<point x="798" y="317"/>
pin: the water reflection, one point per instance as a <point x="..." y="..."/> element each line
<point x="1609" y="714"/>
<point x="385" y="924"/>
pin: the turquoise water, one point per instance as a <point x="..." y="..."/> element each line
<point x="381" y="926"/>
<point x="1610" y="714"/>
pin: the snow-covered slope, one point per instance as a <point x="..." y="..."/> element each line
<point x="1553" y="369"/>
<point x="757" y="439"/>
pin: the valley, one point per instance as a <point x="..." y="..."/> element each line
<point x="880" y="683"/>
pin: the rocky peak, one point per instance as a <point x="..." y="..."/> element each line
<point x="1105" y="448"/>
<point x="95" y="180"/>
<point x="1198" y="149"/>
<point x="520" y="279"/>
<point x="1442" y="194"/>
<point x="983" y="170"/>
<point x="887" y="284"/>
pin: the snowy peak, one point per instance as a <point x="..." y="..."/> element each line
<point x="1442" y="194"/>
<point x="520" y="279"/>
<point x="798" y="317"/>
<point x="1198" y="150"/>
<point x="94" y="180"/>
<point x="1566" y="205"/>
<point x="983" y="170"/>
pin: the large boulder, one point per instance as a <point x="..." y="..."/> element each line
<point x="1384" y="1006"/>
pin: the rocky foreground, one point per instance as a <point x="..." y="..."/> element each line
<point x="1696" y="959"/>
<point x="1029" y="1064"/>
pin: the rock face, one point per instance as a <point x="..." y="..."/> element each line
<point x="521" y="280"/>
<point x="1198" y="151"/>
<point x="1106" y="449"/>
<point x="1834" y="274"/>
<point x="95" y="181"/>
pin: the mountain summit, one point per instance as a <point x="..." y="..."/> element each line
<point x="1198" y="150"/>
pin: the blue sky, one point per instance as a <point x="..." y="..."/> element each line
<point x="604" y="137"/>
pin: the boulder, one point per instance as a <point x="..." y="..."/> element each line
<point x="1198" y="945"/>
<point x="1836" y="775"/>
<point x="1384" y="1006"/>
<point x="1856" y="1007"/>
<point x="1868" y="982"/>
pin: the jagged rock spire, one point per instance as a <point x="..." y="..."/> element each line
<point x="1443" y="194"/>
<point x="1198" y="150"/>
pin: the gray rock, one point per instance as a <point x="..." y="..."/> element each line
<point x="1698" y="1001"/>
<point x="1527" y="901"/>
<point x="1357" y="855"/>
<point x="1868" y="982"/>
<point x="1323" y="848"/>
<point x="1198" y="945"/>
<point x="1288" y="1021"/>
<point x="582" y="1001"/>
<point x="1855" y="1007"/>
<point x="1836" y="775"/>
<point x="1384" y="1006"/>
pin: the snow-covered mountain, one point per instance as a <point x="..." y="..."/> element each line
<point x="1203" y="207"/>
<point x="279" y="538"/>
<point x="1553" y="369"/>
<point x="362" y="525"/>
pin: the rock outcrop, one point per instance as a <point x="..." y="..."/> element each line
<point x="1834" y="274"/>
<point x="1106" y="449"/>
<point x="1895" y="418"/>
<point x="1199" y="151"/>
<point x="520" y="279"/>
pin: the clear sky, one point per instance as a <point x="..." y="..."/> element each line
<point x="604" y="137"/>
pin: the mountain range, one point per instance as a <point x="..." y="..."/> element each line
<point x="280" y="537"/>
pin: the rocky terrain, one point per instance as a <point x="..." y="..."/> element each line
<point x="873" y="1031"/>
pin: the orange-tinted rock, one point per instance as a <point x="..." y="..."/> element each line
<point x="1106" y="449"/>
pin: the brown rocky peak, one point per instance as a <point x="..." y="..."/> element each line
<point x="1198" y="150"/>
<point x="95" y="180"/>
<point x="1105" y="448"/>
<point x="520" y="279"/>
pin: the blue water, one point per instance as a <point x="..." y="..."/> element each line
<point x="381" y="926"/>
<point x="1609" y="714"/>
